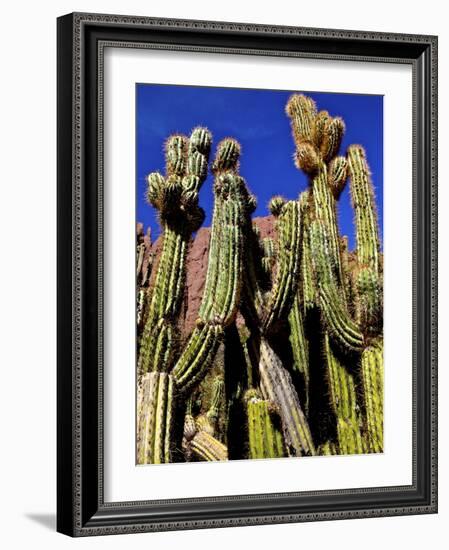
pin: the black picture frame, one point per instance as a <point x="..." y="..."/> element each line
<point x="81" y="509"/>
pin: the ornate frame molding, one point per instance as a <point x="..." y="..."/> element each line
<point x="81" y="509"/>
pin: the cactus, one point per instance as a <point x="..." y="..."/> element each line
<point x="344" y="403"/>
<point x="299" y="346"/>
<point x="286" y="355"/>
<point x="317" y="138"/>
<point x="264" y="435"/>
<point x="372" y="374"/>
<point x="277" y="386"/>
<point x="176" y="198"/>
<point x="287" y="273"/>
<point x="155" y="418"/>
<point x="199" y="433"/>
<point x="207" y="447"/>
<point x="224" y="274"/>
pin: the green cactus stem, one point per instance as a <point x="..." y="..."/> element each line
<point x="325" y="209"/>
<point x="299" y="346"/>
<point x="216" y="402"/>
<point x="155" y="418"/>
<point x="224" y="274"/>
<point x="368" y="243"/>
<point x="318" y="138"/>
<point x="368" y="284"/>
<point x="328" y="449"/>
<point x="287" y="273"/>
<point x="269" y="257"/>
<point x="344" y="403"/>
<point x="277" y="386"/>
<point x="265" y="437"/>
<point x="307" y="283"/>
<point x="372" y="377"/>
<point x="342" y="328"/>
<point x="369" y="303"/>
<point x="206" y="447"/>
<point x="176" y="198"/>
<point x="197" y="356"/>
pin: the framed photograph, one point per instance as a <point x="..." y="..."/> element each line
<point x="247" y="278"/>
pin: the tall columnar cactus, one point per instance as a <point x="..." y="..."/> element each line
<point x="287" y="269"/>
<point x="373" y="390"/>
<point x="344" y="403"/>
<point x="277" y="386"/>
<point x="265" y="310"/>
<point x="318" y="137"/>
<point x="264" y="433"/>
<point x="368" y="282"/>
<point x="155" y="418"/>
<point x="286" y="355"/>
<point x="299" y="345"/>
<point x="199" y="433"/>
<point x="176" y="198"/>
<point x="224" y="274"/>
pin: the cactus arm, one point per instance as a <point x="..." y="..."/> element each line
<point x="368" y="285"/>
<point x="287" y="275"/>
<point x="155" y="418"/>
<point x="197" y="356"/>
<point x="230" y="276"/>
<point x="325" y="210"/>
<point x="299" y="345"/>
<point x="176" y="198"/>
<point x="223" y="281"/>
<point x="265" y="439"/>
<point x="206" y="447"/>
<point x="277" y="386"/>
<point x="302" y="112"/>
<point x="212" y="264"/>
<point x="216" y="402"/>
<point x="367" y="232"/>
<point x="317" y="138"/>
<point x="344" y="403"/>
<point x="372" y="378"/>
<point x="342" y="328"/>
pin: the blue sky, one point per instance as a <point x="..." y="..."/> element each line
<point x="256" y="118"/>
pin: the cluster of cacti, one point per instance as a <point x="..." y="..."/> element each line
<point x="286" y="355"/>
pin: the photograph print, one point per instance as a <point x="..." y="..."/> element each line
<point x="259" y="286"/>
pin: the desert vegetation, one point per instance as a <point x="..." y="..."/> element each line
<point x="285" y="354"/>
